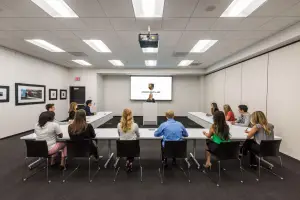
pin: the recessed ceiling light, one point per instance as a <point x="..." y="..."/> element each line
<point x="45" y="45"/>
<point x="55" y="8"/>
<point x="82" y="62"/>
<point x="98" y="45"/>
<point x="242" y="8"/>
<point x="202" y="46"/>
<point x="148" y="8"/>
<point x="150" y="50"/>
<point x="185" y="63"/>
<point x="116" y="63"/>
<point x="150" y="63"/>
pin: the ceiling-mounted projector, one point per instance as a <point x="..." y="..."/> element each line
<point x="148" y="40"/>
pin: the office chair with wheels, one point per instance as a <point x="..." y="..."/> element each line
<point x="127" y="148"/>
<point x="80" y="149"/>
<point x="268" y="148"/>
<point x="226" y="151"/>
<point x="37" y="149"/>
<point x="175" y="149"/>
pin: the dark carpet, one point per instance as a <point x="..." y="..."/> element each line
<point x="128" y="186"/>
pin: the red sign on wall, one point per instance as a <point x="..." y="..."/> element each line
<point x="77" y="78"/>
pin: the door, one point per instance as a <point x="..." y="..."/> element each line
<point x="77" y="94"/>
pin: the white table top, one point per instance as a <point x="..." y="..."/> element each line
<point x="148" y="134"/>
<point x="97" y="116"/>
<point x="203" y="116"/>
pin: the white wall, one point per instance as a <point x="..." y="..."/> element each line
<point x="185" y="95"/>
<point x="19" y="68"/>
<point x="269" y="83"/>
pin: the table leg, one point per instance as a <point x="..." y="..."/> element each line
<point x="193" y="155"/>
<point x="110" y="154"/>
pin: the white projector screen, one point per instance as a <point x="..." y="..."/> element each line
<point x="141" y="87"/>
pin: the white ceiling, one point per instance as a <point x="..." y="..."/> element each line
<point x="184" y="22"/>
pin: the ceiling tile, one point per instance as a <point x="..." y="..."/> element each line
<point x="274" y="7"/>
<point x="279" y="23"/>
<point x="117" y="8"/>
<point x="72" y="23"/>
<point x="179" y="8"/>
<point x="294" y="11"/>
<point x="142" y="24"/>
<point x="175" y="23"/>
<point x="97" y="23"/>
<point x="86" y="8"/>
<point x="211" y="8"/>
<point x="253" y="23"/>
<point x="31" y="23"/>
<point x="201" y="23"/>
<point x="227" y="23"/>
<point x="121" y="24"/>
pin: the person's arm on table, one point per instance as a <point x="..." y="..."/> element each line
<point x="92" y="131"/>
<point x="159" y="132"/>
<point x="252" y="132"/>
<point x="210" y="133"/>
<point x="57" y="130"/>
<point x="184" y="131"/>
<point x="137" y="131"/>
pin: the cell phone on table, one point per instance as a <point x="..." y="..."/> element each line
<point x="60" y="135"/>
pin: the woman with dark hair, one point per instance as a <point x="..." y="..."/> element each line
<point x="214" y="108"/>
<point x="80" y="130"/>
<point x="218" y="133"/>
<point x="48" y="130"/>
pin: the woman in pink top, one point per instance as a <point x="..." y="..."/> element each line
<point x="228" y="113"/>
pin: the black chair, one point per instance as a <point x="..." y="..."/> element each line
<point x="268" y="148"/>
<point x="175" y="149"/>
<point x="37" y="149"/>
<point x="127" y="148"/>
<point x="80" y="149"/>
<point x="226" y="151"/>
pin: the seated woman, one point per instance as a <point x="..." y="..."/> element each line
<point x="48" y="130"/>
<point x="128" y="130"/>
<point x="213" y="108"/>
<point x="218" y="133"/>
<point x="261" y="130"/>
<point x="80" y="130"/>
<point x="72" y="110"/>
<point x="229" y="115"/>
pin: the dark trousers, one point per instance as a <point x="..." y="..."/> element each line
<point x="162" y="155"/>
<point x="253" y="148"/>
<point x="212" y="146"/>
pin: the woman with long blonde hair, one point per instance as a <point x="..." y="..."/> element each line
<point x="128" y="130"/>
<point x="72" y="110"/>
<point x="229" y="115"/>
<point x="261" y="130"/>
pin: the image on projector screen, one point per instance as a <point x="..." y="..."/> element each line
<point x="143" y="86"/>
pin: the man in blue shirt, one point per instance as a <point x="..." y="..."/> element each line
<point x="87" y="108"/>
<point x="170" y="130"/>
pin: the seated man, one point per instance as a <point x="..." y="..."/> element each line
<point x="50" y="107"/>
<point x="87" y="108"/>
<point x="171" y="130"/>
<point x="244" y="118"/>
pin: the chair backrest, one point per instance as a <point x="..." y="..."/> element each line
<point x="79" y="148"/>
<point x="269" y="147"/>
<point x="128" y="148"/>
<point x="36" y="148"/>
<point x="175" y="149"/>
<point x="227" y="150"/>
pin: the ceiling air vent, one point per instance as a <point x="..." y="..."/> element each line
<point x="180" y="54"/>
<point x="78" y="54"/>
<point x="210" y="8"/>
<point x="195" y="64"/>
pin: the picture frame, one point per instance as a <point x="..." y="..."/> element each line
<point x="4" y="94"/>
<point x="63" y="94"/>
<point x="52" y="94"/>
<point x="28" y="94"/>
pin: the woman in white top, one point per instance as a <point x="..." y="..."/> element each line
<point x="128" y="130"/>
<point x="48" y="130"/>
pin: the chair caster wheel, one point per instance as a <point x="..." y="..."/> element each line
<point x="91" y="181"/>
<point x="281" y="178"/>
<point x="257" y="180"/>
<point x="64" y="181"/>
<point x="218" y="185"/>
<point x="49" y="181"/>
<point x="24" y="179"/>
<point x="242" y="181"/>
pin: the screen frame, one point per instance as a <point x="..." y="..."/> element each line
<point x="153" y="76"/>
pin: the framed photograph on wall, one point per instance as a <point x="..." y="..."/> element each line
<point x="4" y="94"/>
<point x="27" y="94"/>
<point x="63" y="94"/>
<point x="52" y="94"/>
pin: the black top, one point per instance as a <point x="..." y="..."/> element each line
<point x="151" y="100"/>
<point x="88" y="133"/>
<point x="71" y="115"/>
<point x="88" y="111"/>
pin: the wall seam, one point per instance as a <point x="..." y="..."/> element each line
<point x="267" y="92"/>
